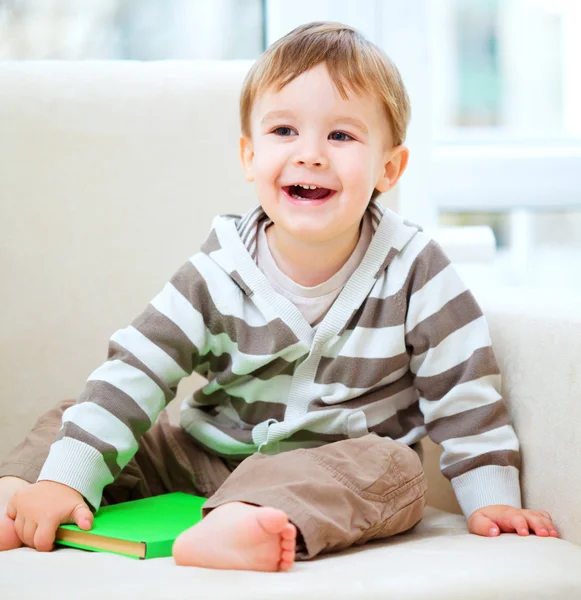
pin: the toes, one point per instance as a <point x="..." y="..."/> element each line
<point x="287" y="560"/>
<point x="289" y="532"/>
<point x="288" y="544"/>
<point x="272" y="520"/>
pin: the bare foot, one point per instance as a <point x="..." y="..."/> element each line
<point x="8" y="487"/>
<point x="239" y="536"/>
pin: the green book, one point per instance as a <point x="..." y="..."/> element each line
<point x="141" y="529"/>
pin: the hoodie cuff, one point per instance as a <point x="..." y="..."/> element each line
<point x="487" y="486"/>
<point x="79" y="466"/>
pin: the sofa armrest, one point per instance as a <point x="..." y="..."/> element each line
<point x="536" y="334"/>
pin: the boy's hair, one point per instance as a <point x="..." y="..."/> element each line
<point x="354" y="64"/>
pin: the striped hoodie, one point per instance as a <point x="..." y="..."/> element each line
<point x="404" y="351"/>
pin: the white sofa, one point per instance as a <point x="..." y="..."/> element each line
<point x="110" y="173"/>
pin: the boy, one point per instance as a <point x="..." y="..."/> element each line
<point x="334" y="337"/>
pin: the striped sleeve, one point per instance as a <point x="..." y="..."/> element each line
<point x="124" y="396"/>
<point x="458" y="380"/>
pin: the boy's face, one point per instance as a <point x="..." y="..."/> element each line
<point x="308" y="134"/>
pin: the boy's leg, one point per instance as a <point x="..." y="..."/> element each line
<point x="167" y="461"/>
<point x="338" y="495"/>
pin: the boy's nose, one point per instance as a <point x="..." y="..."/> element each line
<point x="311" y="161"/>
<point x="311" y="156"/>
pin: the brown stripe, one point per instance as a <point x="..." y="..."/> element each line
<point x="234" y="431"/>
<point x="376" y="313"/>
<point x="255" y="412"/>
<point x="117" y="352"/>
<point x="401" y="423"/>
<point x="457" y="313"/>
<point x="481" y="363"/>
<point x="393" y="252"/>
<point x="429" y="262"/>
<point x="249" y="413"/>
<point x="167" y="336"/>
<point x="109" y="452"/>
<point x="358" y="372"/>
<point x="502" y="458"/>
<point x="221" y="369"/>
<point x="241" y="283"/>
<point x="371" y="397"/>
<point x="211" y="244"/>
<point x="311" y="436"/>
<point x="270" y="338"/>
<point x="390" y="311"/>
<point x="470" y="422"/>
<point x="119" y="404"/>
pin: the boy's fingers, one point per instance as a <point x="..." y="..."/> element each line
<point x="28" y="532"/>
<point x="19" y="527"/>
<point x="481" y="525"/>
<point x="542" y="526"/>
<point x="83" y="517"/>
<point x="11" y="509"/>
<point x="45" y="534"/>
<point x="520" y="524"/>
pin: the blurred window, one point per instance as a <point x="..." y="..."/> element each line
<point x="131" y="29"/>
<point x="507" y="68"/>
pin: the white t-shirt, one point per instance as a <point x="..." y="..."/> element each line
<point x="315" y="301"/>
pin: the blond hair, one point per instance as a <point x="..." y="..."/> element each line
<point x="354" y="64"/>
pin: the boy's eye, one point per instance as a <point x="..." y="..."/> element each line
<point x="337" y="136"/>
<point x="338" y="139"/>
<point x="283" y="131"/>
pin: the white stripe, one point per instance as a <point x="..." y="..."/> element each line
<point x="453" y="350"/>
<point x="135" y="383"/>
<point x="244" y="363"/>
<point x="275" y="389"/>
<point x="223" y="259"/>
<point x="368" y="342"/>
<point x="172" y="304"/>
<point x="437" y="292"/>
<point x="331" y="421"/>
<point x="225" y="293"/>
<point x="332" y="393"/>
<point x="399" y="268"/>
<point x="462" y="397"/>
<point x="150" y="354"/>
<point x="384" y="409"/>
<point x="196" y="424"/>
<point x="413" y="436"/>
<point x="458" y="449"/>
<point x="98" y="421"/>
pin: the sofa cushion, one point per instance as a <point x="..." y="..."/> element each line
<point x="438" y="559"/>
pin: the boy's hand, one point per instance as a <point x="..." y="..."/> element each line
<point x="491" y="520"/>
<point x="39" y="509"/>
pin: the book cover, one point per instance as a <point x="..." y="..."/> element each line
<point x="142" y="529"/>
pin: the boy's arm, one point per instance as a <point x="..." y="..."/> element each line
<point x="124" y="396"/>
<point x="458" y="380"/>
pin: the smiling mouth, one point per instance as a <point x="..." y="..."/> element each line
<point x="300" y="193"/>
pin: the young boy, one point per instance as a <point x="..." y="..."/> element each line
<point x="334" y="337"/>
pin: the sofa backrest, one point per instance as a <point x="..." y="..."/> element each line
<point x="110" y="174"/>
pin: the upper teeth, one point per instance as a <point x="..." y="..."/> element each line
<point x="307" y="187"/>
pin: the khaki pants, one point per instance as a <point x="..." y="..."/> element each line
<point x="342" y="494"/>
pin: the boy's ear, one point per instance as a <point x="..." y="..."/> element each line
<point x="396" y="161"/>
<point x="247" y="157"/>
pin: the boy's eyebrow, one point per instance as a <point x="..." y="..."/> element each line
<point x="277" y="114"/>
